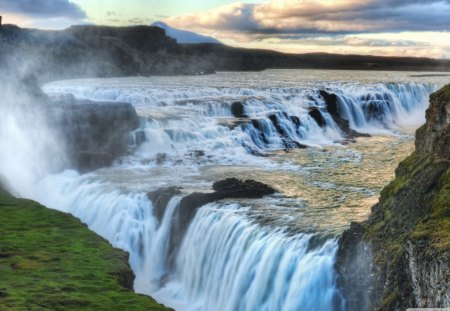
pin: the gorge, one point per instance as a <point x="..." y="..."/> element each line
<point x="239" y="190"/>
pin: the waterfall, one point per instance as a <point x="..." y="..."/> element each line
<point x="229" y="263"/>
<point x="180" y="120"/>
<point x="225" y="261"/>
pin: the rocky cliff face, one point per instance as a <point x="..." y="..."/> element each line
<point x="95" y="133"/>
<point x="101" y="51"/>
<point x="400" y="257"/>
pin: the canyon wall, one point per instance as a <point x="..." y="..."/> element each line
<point x="400" y="257"/>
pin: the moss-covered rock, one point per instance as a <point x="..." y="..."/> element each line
<point x="50" y="261"/>
<point x="408" y="232"/>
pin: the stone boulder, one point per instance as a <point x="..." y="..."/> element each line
<point x="235" y="188"/>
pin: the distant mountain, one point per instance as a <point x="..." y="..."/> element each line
<point x="184" y="36"/>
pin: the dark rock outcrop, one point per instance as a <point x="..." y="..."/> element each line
<point x="331" y="101"/>
<point x="224" y="189"/>
<point x="189" y="204"/>
<point x="317" y="116"/>
<point x="404" y="246"/>
<point x="237" y="109"/>
<point x="287" y="142"/>
<point x="160" y="198"/>
<point x="95" y="133"/>
<point x="235" y="188"/>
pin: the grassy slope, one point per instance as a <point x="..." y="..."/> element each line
<point x="435" y="225"/>
<point x="51" y="261"/>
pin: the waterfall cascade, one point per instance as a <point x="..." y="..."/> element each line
<point x="227" y="260"/>
<point x="178" y="122"/>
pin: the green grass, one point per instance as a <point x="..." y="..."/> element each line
<point x="51" y="261"/>
<point x="443" y="93"/>
<point x="436" y="228"/>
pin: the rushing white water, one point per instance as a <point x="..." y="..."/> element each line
<point x="180" y="120"/>
<point x="228" y="259"/>
<point x="228" y="263"/>
<point x="225" y="262"/>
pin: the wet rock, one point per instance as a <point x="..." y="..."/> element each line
<point x="160" y="198"/>
<point x="189" y="204"/>
<point x="257" y="125"/>
<point x="353" y="268"/>
<point x="292" y="144"/>
<point x="317" y="116"/>
<point x="288" y="143"/>
<point x="296" y="121"/>
<point x="273" y="118"/>
<point x="228" y="188"/>
<point x="254" y="151"/>
<point x="331" y="101"/>
<point x="235" y="188"/>
<point x="237" y="109"/>
<point x="350" y="133"/>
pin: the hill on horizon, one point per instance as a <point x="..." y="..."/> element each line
<point x="184" y="36"/>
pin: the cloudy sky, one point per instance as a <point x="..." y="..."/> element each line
<point x="379" y="27"/>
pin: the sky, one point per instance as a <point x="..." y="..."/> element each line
<point x="376" y="27"/>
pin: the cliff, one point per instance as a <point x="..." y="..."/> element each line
<point x="400" y="257"/>
<point x="95" y="133"/>
<point x="101" y="51"/>
<point x="50" y="260"/>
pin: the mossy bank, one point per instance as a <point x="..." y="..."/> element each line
<point x="50" y="261"/>
<point x="400" y="257"/>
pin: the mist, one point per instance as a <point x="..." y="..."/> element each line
<point x="29" y="147"/>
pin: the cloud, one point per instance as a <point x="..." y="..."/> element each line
<point x="43" y="8"/>
<point x="352" y="44"/>
<point x="46" y="14"/>
<point x="327" y="25"/>
<point x="326" y="17"/>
